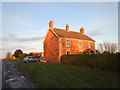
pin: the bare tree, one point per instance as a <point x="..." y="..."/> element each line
<point x="8" y="55"/>
<point x="100" y="47"/>
<point x="107" y="47"/>
<point x="113" y="48"/>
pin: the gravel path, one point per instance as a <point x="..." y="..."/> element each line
<point x="12" y="78"/>
<point x="0" y="74"/>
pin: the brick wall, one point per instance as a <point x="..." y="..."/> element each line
<point x="51" y="51"/>
<point x="74" y="48"/>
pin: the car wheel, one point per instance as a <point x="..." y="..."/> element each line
<point x="27" y="61"/>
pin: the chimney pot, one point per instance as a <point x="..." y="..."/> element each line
<point x="67" y="27"/>
<point x="51" y="24"/>
<point x="82" y="30"/>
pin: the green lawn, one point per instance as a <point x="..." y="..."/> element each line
<point x="49" y="75"/>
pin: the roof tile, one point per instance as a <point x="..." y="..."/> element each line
<point x="71" y="34"/>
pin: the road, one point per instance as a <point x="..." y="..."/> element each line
<point x="12" y="78"/>
<point x="0" y="74"/>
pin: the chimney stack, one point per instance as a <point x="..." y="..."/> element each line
<point x="67" y="27"/>
<point x="51" y="24"/>
<point x="82" y="30"/>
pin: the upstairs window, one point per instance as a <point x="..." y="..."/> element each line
<point x="79" y="44"/>
<point x="89" y="45"/>
<point x="67" y="43"/>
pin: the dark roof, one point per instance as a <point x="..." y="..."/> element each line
<point x="71" y="34"/>
<point x="87" y="51"/>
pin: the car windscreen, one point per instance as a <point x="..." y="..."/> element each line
<point x="29" y="57"/>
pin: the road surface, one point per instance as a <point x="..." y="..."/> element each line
<point x="12" y="78"/>
<point x="0" y="74"/>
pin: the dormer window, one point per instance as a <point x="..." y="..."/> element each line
<point x="89" y="45"/>
<point x="79" y="44"/>
<point x="67" y="43"/>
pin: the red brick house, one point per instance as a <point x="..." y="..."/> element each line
<point x="58" y="42"/>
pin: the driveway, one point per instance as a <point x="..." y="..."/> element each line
<point x="12" y="78"/>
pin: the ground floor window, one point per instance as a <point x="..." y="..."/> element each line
<point x="80" y="52"/>
<point x="67" y="52"/>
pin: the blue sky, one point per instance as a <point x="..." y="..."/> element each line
<point x="25" y="24"/>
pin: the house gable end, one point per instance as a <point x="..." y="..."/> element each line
<point x="51" y="47"/>
<point x="48" y="33"/>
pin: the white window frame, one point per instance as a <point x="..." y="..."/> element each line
<point x="67" y="43"/>
<point x="79" y="44"/>
<point x="89" y="45"/>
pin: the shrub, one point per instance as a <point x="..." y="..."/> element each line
<point x="21" y="56"/>
<point x="17" y="53"/>
<point x="106" y="62"/>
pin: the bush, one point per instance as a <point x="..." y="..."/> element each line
<point x="21" y="56"/>
<point x="106" y="62"/>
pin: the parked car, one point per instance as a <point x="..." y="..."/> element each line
<point x="30" y="59"/>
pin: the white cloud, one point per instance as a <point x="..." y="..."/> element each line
<point x="21" y="39"/>
<point x="13" y="42"/>
<point x="95" y="33"/>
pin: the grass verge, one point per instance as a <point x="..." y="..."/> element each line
<point x="48" y="75"/>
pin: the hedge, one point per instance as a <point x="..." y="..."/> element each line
<point x="106" y="62"/>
